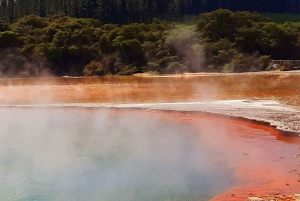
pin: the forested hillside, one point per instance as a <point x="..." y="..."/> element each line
<point x="221" y="41"/>
<point x="130" y="11"/>
<point x="60" y="45"/>
<point x="100" y="37"/>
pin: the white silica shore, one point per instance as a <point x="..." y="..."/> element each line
<point x="285" y="118"/>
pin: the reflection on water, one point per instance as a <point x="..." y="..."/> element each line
<point x="86" y="154"/>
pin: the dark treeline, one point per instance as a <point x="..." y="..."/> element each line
<point x="221" y="41"/>
<point x="60" y="45"/>
<point x="131" y="11"/>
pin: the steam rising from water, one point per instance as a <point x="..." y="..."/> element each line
<point x="74" y="154"/>
<point x="188" y="46"/>
<point x="14" y="64"/>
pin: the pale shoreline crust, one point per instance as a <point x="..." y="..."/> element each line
<point x="283" y="117"/>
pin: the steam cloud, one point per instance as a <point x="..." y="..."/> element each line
<point x="14" y="64"/>
<point x="78" y="154"/>
<point x="189" y="47"/>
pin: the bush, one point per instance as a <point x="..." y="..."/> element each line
<point x="4" y="26"/>
<point x="246" y="63"/>
<point x="152" y="72"/>
<point x="175" y="67"/>
<point x="228" y="68"/>
<point x="9" y="39"/>
<point x="128" y="70"/>
<point x="166" y="60"/>
<point x="286" y="66"/>
<point x="265" y="61"/>
<point x="14" y="64"/>
<point x="131" y="51"/>
<point x="30" y="22"/>
<point x="152" y="66"/>
<point x="94" y="68"/>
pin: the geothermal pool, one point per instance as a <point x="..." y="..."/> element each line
<point x="98" y="154"/>
<point x="76" y="153"/>
<point x="109" y="154"/>
<point x="281" y="86"/>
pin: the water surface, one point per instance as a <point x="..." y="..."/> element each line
<point x="106" y="154"/>
<point x="88" y="154"/>
<point x="81" y="154"/>
<point x="282" y="87"/>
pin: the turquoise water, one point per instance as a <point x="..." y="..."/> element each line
<point x="99" y="154"/>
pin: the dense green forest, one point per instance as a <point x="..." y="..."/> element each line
<point x="90" y="37"/>
<point x="130" y="11"/>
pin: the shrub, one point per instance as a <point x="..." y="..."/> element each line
<point x="4" y="26"/>
<point x="265" y="59"/>
<point x="152" y="66"/>
<point x="30" y="22"/>
<point x="128" y="70"/>
<point x="131" y="51"/>
<point x="166" y="60"/>
<point x="9" y="39"/>
<point x="94" y="68"/>
<point x="228" y="68"/>
<point x="175" y="67"/>
<point x="152" y="72"/>
<point x="286" y="65"/>
<point x="246" y="63"/>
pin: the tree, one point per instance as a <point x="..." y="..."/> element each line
<point x="217" y="25"/>
<point x="131" y="52"/>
